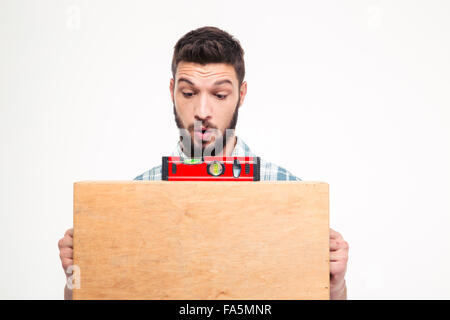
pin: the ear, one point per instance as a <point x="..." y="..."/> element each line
<point x="242" y="92"/>
<point x="172" y="87"/>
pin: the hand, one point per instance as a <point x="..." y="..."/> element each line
<point x="338" y="265"/>
<point x="65" y="246"/>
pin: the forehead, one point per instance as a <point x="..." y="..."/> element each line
<point x="206" y="73"/>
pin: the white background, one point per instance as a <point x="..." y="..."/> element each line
<point x="353" y="93"/>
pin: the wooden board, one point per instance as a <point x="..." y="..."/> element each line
<point x="201" y="240"/>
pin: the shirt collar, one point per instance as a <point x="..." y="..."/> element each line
<point x="241" y="149"/>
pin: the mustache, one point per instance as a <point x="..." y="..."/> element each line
<point x="199" y="124"/>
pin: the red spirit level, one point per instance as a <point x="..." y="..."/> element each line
<point x="211" y="169"/>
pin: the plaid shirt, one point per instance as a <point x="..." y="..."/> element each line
<point x="268" y="172"/>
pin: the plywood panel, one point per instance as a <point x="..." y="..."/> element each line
<point x="201" y="240"/>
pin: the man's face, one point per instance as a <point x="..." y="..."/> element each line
<point x="206" y="99"/>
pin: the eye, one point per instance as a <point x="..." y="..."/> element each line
<point x="188" y="94"/>
<point x="221" y="96"/>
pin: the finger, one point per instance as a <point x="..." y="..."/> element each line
<point x="334" y="256"/>
<point x="339" y="255"/>
<point x="66" y="253"/>
<point x="334" y="245"/>
<point x="334" y="234"/>
<point x="66" y="262"/>
<point x="69" y="232"/>
<point x="338" y="244"/>
<point x="66" y="242"/>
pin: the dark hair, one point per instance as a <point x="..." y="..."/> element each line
<point x="209" y="45"/>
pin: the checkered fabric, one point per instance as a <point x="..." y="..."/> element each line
<point x="269" y="171"/>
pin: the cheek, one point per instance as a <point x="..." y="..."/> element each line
<point x="228" y="110"/>
<point x="224" y="112"/>
<point x="183" y="108"/>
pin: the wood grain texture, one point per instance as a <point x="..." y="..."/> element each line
<point x="201" y="240"/>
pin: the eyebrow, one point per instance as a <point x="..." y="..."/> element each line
<point x="217" y="83"/>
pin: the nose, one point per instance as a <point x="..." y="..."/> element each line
<point x="203" y="110"/>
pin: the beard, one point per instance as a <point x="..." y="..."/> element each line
<point x="190" y="148"/>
